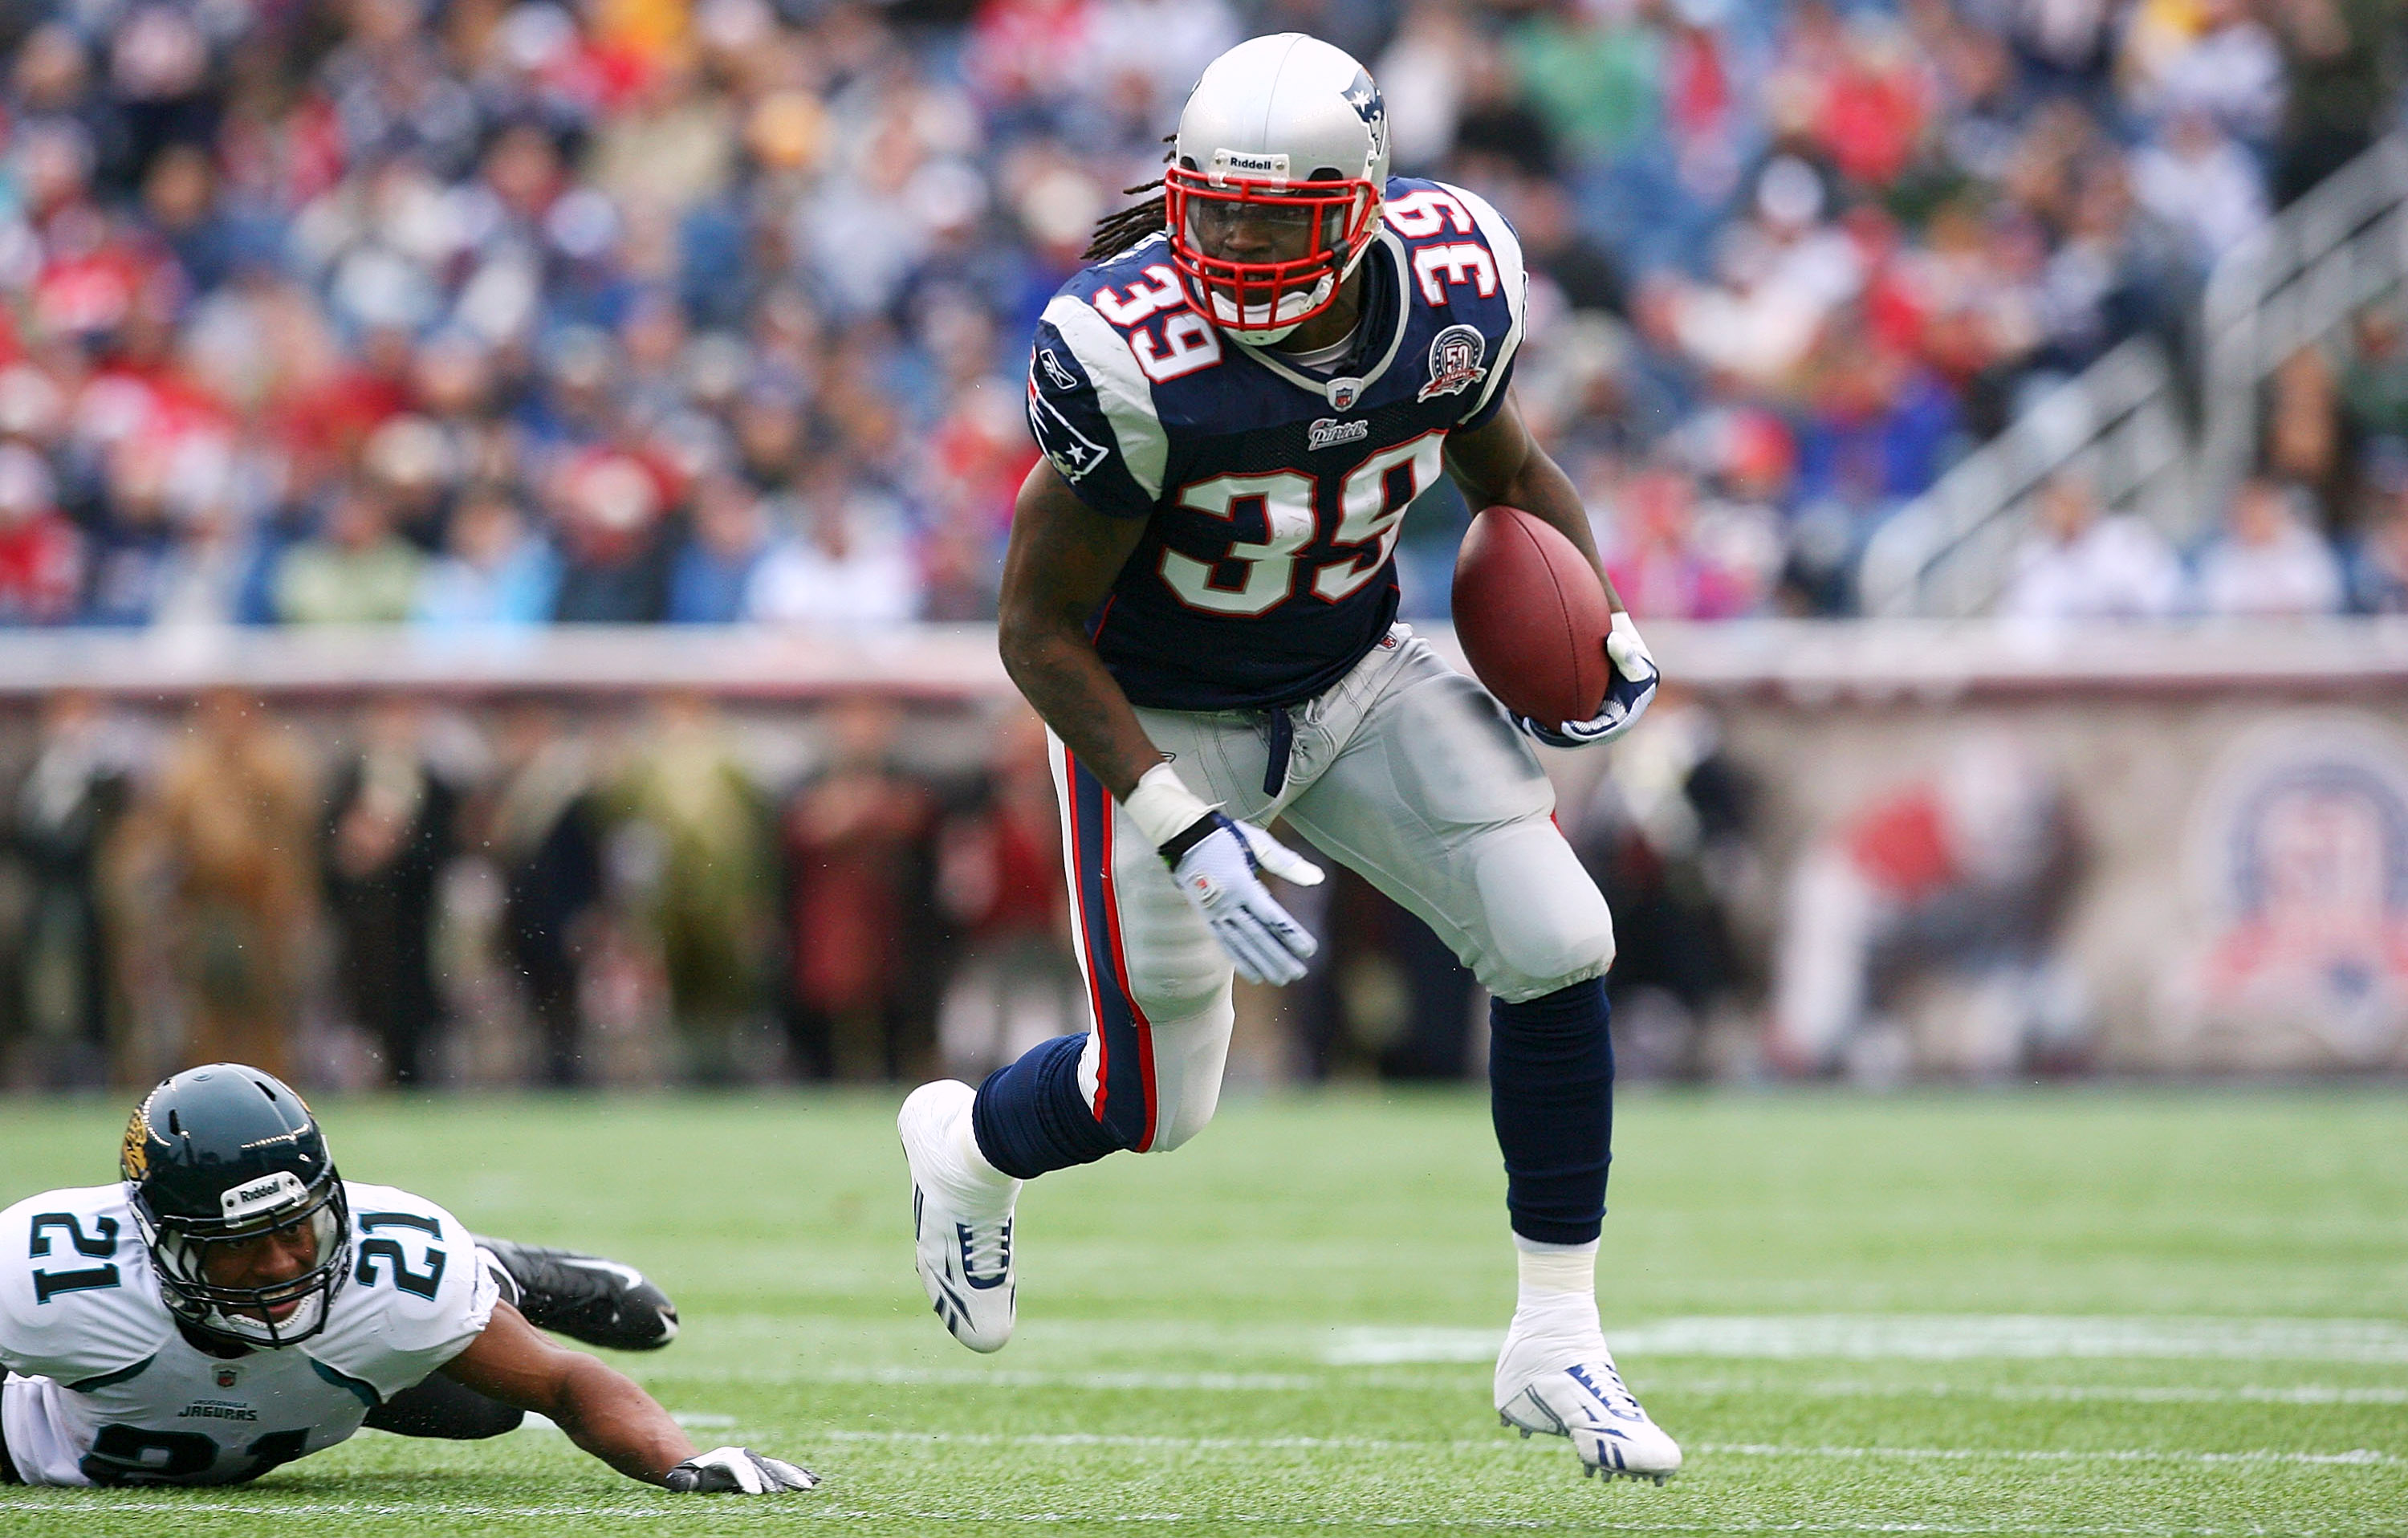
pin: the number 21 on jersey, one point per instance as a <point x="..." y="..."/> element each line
<point x="1371" y="502"/>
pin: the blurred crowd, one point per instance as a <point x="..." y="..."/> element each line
<point x="475" y="313"/>
<point x="404" y="894"/>
<point x="668" y="891"/>
<point x="2321" y="527"/>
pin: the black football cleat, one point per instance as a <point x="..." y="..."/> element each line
<point x="586" y="1297"/>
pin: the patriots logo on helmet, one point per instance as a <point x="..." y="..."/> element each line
<point x="1364" y="97"/>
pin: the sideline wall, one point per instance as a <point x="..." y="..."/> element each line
<point x="2236" y="796"/>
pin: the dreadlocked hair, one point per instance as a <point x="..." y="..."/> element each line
<point x="1140" y="222"/>
<point x="1133" y="225"/>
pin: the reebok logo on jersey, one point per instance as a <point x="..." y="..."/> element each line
<point x="1454" y="362"/>
<point x="1063" y="378"/>
<point x="1328" y="432"/>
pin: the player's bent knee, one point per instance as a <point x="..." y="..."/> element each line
<point x="1186" y="1116"/>
<point x="1183" y="986"/>
<point x="1548" y="925"/>
<point x="1189" y="1056"/>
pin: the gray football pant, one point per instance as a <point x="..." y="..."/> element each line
<point x="1407" y="772"/>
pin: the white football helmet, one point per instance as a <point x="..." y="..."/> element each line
<point x="1275" y="182"/>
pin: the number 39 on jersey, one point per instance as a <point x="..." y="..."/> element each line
<point x="1272" y="495"/>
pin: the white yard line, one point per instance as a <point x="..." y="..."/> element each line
<point x="2314" y="1394"/>
<point x="1946" y="1337"/>
<point x="2358" y="1456"/>
<point x="63" y="1502"/>
<point x="1345" y="1380"/>
<point x="1237" y="1383"/>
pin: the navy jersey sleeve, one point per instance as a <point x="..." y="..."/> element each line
<point x="1091" y="413"/>
<point x="1500" y="381"/>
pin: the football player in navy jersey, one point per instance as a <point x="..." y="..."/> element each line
<point x="1262" y="369"/>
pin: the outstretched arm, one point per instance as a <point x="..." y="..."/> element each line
<point x="602" y="1410"/>
<point x="1500" y="462"/>
<point x="1062" y="559"/>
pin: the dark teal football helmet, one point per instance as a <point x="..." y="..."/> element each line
<point x="225" y="1155"/>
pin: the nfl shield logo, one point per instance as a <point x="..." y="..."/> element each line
<point x="225" y="1378"/>
<point x="1343" y="394"/>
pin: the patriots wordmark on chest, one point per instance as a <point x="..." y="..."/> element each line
<point x="1328" y="432"/>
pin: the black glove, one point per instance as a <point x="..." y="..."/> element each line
<point x="737" y="1471"/>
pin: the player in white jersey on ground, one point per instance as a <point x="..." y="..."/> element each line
<point x="1236" y="403"/>
<point x="234" y="1304"/>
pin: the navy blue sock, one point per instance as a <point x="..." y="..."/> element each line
<point x="1029" y="1116"/>
<point x="1551" y="1090"/>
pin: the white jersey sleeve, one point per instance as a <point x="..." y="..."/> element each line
<point x="1513" y="277"/>
<point x="415" y="1297"/>
<point x="78" y="1302"/>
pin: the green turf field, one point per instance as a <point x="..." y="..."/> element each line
<point x="2062" y="1313"/>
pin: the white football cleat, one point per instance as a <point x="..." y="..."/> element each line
<point x="962" y="1224"/>
<point x="1571" y="1388"/>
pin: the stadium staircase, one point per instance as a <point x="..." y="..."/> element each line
<point x="2125" y="421"/>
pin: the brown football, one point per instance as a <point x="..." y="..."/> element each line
<point x="1531" y="616"/>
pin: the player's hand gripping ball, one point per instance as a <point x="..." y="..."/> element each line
<point x="1540" y="634"/>
<point x="737" y="1471"/>
<point x="1627" y="697"/>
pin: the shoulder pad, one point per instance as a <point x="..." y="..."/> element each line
<point x="1464" y="257"/>
<point x="77" y="1298"/>
<point x="1090" y="403"/>
<point x="415" y="1296"/>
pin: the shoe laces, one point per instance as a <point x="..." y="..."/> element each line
<point x="986" y="1247"/>
<point x="1601" y="1379"/>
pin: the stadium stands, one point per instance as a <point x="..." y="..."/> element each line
<point x="475" y="314"/>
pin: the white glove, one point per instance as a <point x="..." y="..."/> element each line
<point x="1220" y="874"/>
<point x="1631" y="686"/>
<point x="1216" y="861"/>
<point x="737" y="1471"/>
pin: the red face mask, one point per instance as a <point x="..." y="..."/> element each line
<point x="1266" y="255"/>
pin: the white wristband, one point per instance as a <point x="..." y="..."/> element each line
<point x="1162" y="808"/>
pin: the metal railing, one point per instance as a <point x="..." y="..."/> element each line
<point x="2292" y="284"/>
<point x="1949" y="552"/>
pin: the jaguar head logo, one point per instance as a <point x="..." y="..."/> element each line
<point x="133" y="1157"/>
